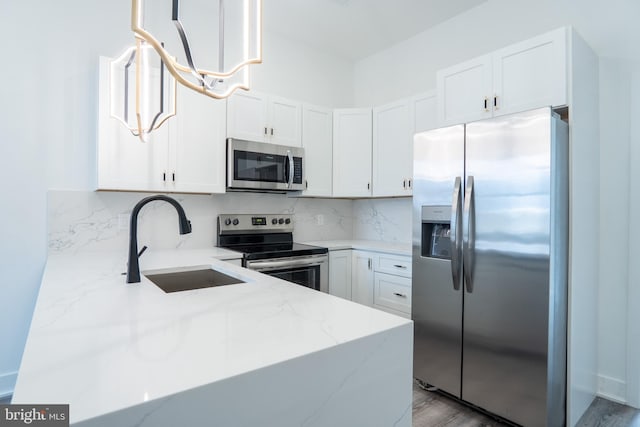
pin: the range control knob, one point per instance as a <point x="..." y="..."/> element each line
<point x="227" y="221"/>
<point x="274" y="221"/>
<point x="235" y="221"/>
<point x="281" y="221"/>
<point x="287" y="221"/>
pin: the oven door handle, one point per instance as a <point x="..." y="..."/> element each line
<point x="307" y="262"/>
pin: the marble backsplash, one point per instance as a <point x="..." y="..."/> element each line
<point x="94" y="221"/>
<point x="388" y="220"/>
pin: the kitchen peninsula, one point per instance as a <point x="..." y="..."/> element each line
<point x="265" y="352"/>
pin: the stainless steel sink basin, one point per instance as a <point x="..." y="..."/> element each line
<point x="188" y="278"/>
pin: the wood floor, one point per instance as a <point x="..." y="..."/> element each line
<point x="435" y="410"/>
<point x="432" y="409"/>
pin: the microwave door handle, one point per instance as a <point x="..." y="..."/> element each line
<point x="290" y="180"/>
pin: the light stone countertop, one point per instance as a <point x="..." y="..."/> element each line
<point x="395" y="248"/>
<point x="102" y="345"/>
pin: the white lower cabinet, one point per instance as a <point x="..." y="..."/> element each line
<point x="362" y="277"/>
<point x="392" y="293"/>
<point x="340" y="273"/>
<point x="379" y="280"/>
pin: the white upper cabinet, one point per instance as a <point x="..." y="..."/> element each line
<point x="531" y="74"/>
<point x="352" y="152"/>
<point x="424" y="114"/>
<point x="463" y="91"/>
<point x="317" y="139"/>
<point x="185" y="155"/>
<point x="519" y="77"/>
<point x="200" y="129"/>
<point x="258" y="117"/>
<point x="392" y="149"/>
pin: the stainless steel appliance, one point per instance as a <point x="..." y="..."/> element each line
<point x="490" y="251"/>
<point x="259" y="166"/>
<point x="266" y="243"/>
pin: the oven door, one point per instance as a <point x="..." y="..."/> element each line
<point x="310" y="271"/>
<point x="261" y="166"/>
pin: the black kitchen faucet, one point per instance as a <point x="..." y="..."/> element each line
<point x="133" y="268"/>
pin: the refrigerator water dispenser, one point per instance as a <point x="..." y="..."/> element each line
<point x="436" y="237"/>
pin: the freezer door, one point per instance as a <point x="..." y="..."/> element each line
<point x="506" y="230"/>
<point x="436" y="297"/>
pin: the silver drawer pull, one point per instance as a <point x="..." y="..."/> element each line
<point x="399" y="295"/>
<point x="399" y="266"/>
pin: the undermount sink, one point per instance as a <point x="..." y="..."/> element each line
<point x="189" y="278"/>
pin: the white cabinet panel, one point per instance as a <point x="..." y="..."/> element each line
<point x="285" y="122"/>
<point x="519" y="77"/>
<point x="247" y="116"/>
<point x="362" y="277"/>
<point x="340" y="273"/>
<point x="531" y="74"/>
<point x="264" y="118"/>
<point x="185" y="155"/>
<point x="463" y="91"/>
<point x="392" y="149"/>
<point x="424" y="114"/>
<point x="199" y="145"/>
<point x="352" y="152"/>
<point x="392" y="292"/>
<point x="317" y="140"/>
<point x="394" y="264"/>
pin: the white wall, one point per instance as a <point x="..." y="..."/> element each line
<point x="48" y="110"/>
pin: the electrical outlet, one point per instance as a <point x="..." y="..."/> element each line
<point x="320" y="219"/>
<point x="123" y="221"/>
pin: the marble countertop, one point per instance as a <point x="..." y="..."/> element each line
<point x="396" y="248"/>
<point x="102" y="345"/>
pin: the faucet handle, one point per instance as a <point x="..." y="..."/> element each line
<point x="144" y="248"/>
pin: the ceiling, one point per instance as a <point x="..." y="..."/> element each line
<point x="355" y="29"/>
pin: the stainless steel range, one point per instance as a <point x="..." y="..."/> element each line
<point x="266" y="243"/>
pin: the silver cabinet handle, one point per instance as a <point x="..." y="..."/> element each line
<point x="468" y="234"/>
<point x="495" y="102"/>
<point x="404" y="184"/>
<point x="265" y="130"/>
<point x="369" y="263"/>
<point x="399" y="266"/>
<point x="455" y="234"/>
<point x="399" y="295"/>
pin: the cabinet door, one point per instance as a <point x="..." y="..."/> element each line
<point x="392" y="293"/>
<point x="340" y="273"/>
<point x="125" y="162"/>
<point x="247" y="116"/>
<point x="531" y="74"/>
<point x="352" y="152"/>
<point x="199" y="143"/>
<point x="392" y="149"/>
<point x="362" y="277"/>
<point x="424" y="112"/>
<point x="464" y="91"/>
<point x="284" y="122"/>
<point x="317" y="138"/>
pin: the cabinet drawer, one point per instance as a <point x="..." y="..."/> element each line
<point x="392" y="292"/>
<point x="394" y="264"/>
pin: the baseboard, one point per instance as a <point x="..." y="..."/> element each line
<point x="612" y="389"/>
<point x="7" y="383"/>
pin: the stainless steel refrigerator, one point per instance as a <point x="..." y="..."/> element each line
<point x="490" y="244"/>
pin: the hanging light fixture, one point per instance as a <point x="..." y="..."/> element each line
<point x="143" y="96"/>
<point x="229" y="77"/>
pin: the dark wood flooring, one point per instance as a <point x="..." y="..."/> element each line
<point x="431" y="409"/>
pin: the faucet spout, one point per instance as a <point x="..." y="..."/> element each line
<point x="133" y="268"/>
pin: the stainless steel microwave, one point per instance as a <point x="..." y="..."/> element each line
<point x="259" y="166"/>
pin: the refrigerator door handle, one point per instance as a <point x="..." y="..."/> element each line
<point x="455" y="234"/>
<point x="468" y="234"/>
